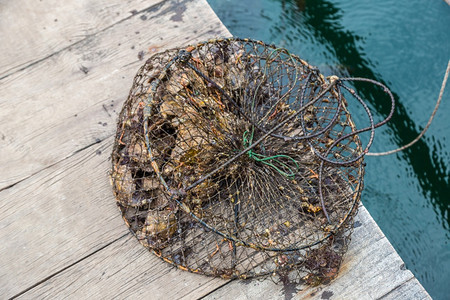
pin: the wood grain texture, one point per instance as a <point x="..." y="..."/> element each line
<point x="68" y="212"/>
<point x="411" y="289"/>
<point x="371" y="269"/>
<point x="64" y="103"/>
<point x="50" y="221"/>
<point x="124" y="270"/>
<point x="33" y="30"/>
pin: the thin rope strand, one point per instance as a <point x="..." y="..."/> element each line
<point x="444" y="82"/>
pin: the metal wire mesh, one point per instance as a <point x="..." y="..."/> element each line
<point x="235" y="158"/>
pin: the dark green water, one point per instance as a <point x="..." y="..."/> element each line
<point x="406" y="45"/>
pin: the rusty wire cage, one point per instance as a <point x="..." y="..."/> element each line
<point x="237" y="159"/>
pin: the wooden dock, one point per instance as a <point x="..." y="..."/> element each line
<point x="65" y="70"/>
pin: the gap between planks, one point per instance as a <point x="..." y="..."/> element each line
<point x="52" y="28"/>
<point x="125" y="269"/>
<point x="83" y="276"/>
<point x="62" y="107"/>
<point x="67" y="267"/>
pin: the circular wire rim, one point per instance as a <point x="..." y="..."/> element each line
<point x="176" y="195"/>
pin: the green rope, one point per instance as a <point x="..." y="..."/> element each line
<point x="268" y="160"/>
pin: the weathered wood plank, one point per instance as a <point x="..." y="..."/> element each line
<point x="62" y="104"/>
<point x="411" y="289"/>
<point x="49" y="221"/>
<point x="124" y="269"/>
<point x="371" y="269"/>
<point x="33" y="30"/>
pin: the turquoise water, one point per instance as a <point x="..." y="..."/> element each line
<point x="406" y="45"/>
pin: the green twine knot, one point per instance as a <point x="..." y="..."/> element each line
<point x="271" y="161"/>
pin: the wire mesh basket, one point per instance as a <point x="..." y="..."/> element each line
<point x="237" y="159"/>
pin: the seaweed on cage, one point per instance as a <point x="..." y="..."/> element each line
<point x="238" y="159"/>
